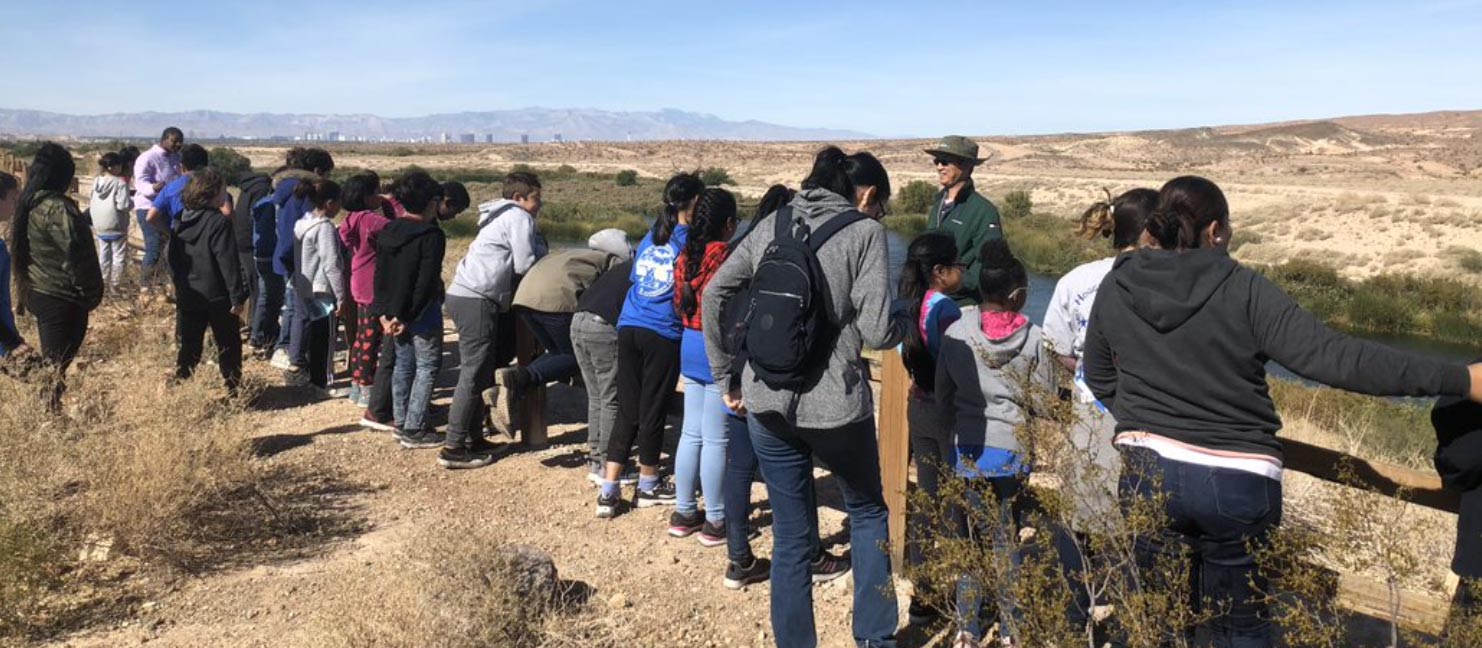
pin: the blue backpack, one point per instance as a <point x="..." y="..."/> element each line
<point x="264" y="228"/>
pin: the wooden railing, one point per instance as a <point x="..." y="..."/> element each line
<point x="1356" y="593"/>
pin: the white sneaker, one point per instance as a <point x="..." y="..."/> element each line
<point x="338" y="392"/>
<point x="280" y="360"/>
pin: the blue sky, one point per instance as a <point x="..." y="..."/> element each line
<point x="891" y="69"/>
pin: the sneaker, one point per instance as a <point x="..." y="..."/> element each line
<point x="662" y="495"/>
<point x="279" y="360"/>
<point x="369" y="421"/>
<point x="629" y="476"/>
<point x="827" y="567"/>
<point x="713" y="535"/>
<point x="594" y="473"/>
<point x="608" y="506"/>
<point x="336" y="393"/>
<point x="921" y="613"/>
<point x="296" y="377"/>
<point x="420" y="440"/>
<point x="739" y="576"/>
<point x="684" y="526"/>
<point x="463" y="458"/>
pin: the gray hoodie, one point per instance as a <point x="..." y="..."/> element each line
<point x="855" y="268"/>
<point x="981" y="375"/>
<point x="505" y="246"/>
<point x="320" y="269"/>
<point x="110" y="206"/>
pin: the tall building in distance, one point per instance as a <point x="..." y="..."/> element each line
<point x="525" y="138"/>
<point x="447" y="139"/>
<point x="488" y="138"/>
<point x="467" y="138"/>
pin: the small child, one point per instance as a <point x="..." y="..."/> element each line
<point x="210" y="289"/>
<point x="111" y="207"/>
<point x="319" y="274"/>
<point x="982" y="366"/>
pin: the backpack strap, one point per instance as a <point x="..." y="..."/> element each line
<point x="834" y="226"/>
<point x="783" y="224"/>
<point x="496" y="213"/>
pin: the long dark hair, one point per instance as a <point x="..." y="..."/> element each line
<point x="1122" y="219"/>
<point x="842" y="174"/>
<point x="1002" y="274"/>
<point x="926" y="253"/>
<point x="715" y="211"/>
<point x="318" y="191"/>
<point x="1187" y="206"/>
<point x="679" y="192"/>
<point x="359" y="190"/>
<point x="51" y="170"/>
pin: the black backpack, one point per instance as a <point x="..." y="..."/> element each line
<point x="786" y="326"/>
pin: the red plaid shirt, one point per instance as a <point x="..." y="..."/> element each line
<point x="715" y="255"/>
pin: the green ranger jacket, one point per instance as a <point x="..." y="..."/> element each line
<point x="972" y="221"/>
<point x="64" y="261"/>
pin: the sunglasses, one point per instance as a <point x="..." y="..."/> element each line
<point x="943" y="161"/>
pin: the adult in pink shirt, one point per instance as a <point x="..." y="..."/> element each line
<point x="152" y="171"/>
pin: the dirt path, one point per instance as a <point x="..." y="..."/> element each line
<point x="665" y="589"/>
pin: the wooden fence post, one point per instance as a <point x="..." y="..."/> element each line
<point x="531" y="409"/>
<point x="894" y="440"/>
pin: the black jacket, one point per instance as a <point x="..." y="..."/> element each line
<point x="203" y="262"/>
<point x="1458" y="424"/>
<point x="605" y="297"/>
<point x="254" y="188"/>
<point x="1178" y="343"/>
<point x="409" y="268"/>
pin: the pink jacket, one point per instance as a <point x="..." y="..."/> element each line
<point x="358" y="233"/>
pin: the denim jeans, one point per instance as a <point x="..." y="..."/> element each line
<point x="270" y="295"/>
<point x="154" y="246"/>
<point x="476" y="320"/>
<point x="418" y="357"/>
<point x="286" y="331"/>
<point x="995" y="518"/>
<point x="1215" y="515"/>
<point x="595" y="343"/>
<point x="553" y="330"/>
<point x="701" y="454"/>
<point x="785" y="454"/>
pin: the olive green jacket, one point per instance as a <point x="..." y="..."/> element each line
<point x="64" y="260"/>
<point x="972" y="221"/>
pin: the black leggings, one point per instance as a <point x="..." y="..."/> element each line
<point x="319" y="333"/>
<point x="647" y="372"/>
<point x="61" y="325"/>
<point x="226" y="330"/>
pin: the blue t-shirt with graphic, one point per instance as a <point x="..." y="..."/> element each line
<point x="650" y="302"/>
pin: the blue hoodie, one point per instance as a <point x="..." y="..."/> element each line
<point x="289" y="210"/>
<point x="650" y="302"/>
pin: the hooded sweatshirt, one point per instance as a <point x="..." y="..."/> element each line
<point x="986" y="360"/>
<point x="289" y="211"/>
<point x="359" y="233"/>
<point x="320" y="272"/>
<point x="856" y="271"/>
<point x="505" y="247"/>
<point x="1178" y="342"/>
<point x="250" y="190"/>
<point x="409" y="260"/>
<point x="110" y="207"/>
<point x="203" y="262"/>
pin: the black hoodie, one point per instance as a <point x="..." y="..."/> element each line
<point x="1458" y="424"/>
<point x="409" y="268"/>
<point x="1178" y="343"/>
<point x="250" y="190"/>
<point x="203" y="262"/>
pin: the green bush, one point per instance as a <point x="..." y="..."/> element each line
<point x="1017" y="204"/>
<point x="233" y="166"/>
<point x="1376" y="311"/>
<point x="401" y="151"/>
<point x="715" y="177"/>
<point x="1048" y="244"/>
<point x="1466" y="258"/>
<point x="915" y="198"/>
<point x="565" y="170"/>
<point x="907" y="225"/>
<point x="627" y="178"/>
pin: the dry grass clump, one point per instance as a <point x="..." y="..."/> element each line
<point x="136" y="474"/>
<point x="459" y="587"/>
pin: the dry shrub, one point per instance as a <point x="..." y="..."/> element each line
<point x="456" y="588"/>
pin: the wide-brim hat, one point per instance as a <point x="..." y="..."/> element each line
<point x="959" y="147"/>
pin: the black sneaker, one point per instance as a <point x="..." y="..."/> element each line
<point x="608" y="506"/>
<point x="713" y="535"/>
<point x="463" y="458"/>
<point x="420" y="440"/>
<point x="662" y="494"/>
<point x="921" y="613"/>
<point x="684" y="526"/>
<point x="739" y="576"/>
<point x="369" y="421"/>
<point x="827" y="567"/>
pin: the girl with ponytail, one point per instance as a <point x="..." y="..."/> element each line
<point x="985" y="360"/>
<point x="649" y="331"/>
<point x="1192" y="331"/>
<point x="931" y="272"/>
<point x="701" y="454"/>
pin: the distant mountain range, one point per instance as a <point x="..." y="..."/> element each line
<point x="537" y="124"/>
